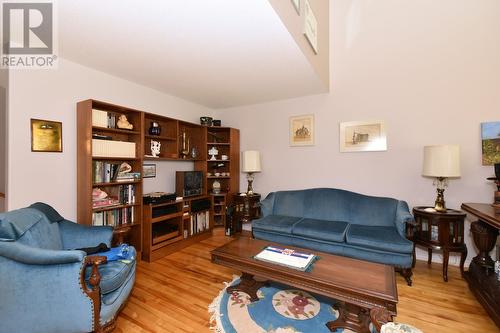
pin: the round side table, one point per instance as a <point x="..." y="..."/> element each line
<point x="441" y="232"/>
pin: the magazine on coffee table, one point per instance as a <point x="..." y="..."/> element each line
<point x="287" y="257"/>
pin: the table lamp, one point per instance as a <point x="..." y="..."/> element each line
<point x="251" y="164"/>
<point x="441" y="162"/>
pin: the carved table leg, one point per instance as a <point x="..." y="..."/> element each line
<point x="249" y="286"/>
<point x="463" y="256"/>
<point x="380" y="316"/>
<point x="446" y="258"/>
<point x="485" y="237"/>
<point x="429" y="256"/>
<point x="350" y="316"/>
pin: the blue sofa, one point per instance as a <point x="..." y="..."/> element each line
<point x="46" y="285"/>
<point x="339" y="222"/>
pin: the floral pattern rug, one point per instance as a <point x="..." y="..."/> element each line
<point x="281" y="309"/>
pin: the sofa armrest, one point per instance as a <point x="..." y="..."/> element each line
<point x="267" y="205"/>
<point x="76" y="236"/>
<point x="403" y="217"/>
<point x="36" y="256"/>
<point x="48" y="297"/>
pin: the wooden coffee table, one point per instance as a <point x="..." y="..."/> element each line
<point x="365" y="291"/>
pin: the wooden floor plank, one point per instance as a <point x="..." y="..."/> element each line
<point x="173" y="294"/>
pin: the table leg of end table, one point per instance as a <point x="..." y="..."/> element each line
<point x="249" y="286"/>
<point x="358" y="319"/>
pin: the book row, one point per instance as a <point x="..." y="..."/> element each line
<point x="115" y="217"/>
<point x="105" y="172"/>
<point x="199" y="222"/>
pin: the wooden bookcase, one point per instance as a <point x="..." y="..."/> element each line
<point x="86" y="163"/>
<point x="167" y="227"/>
<point x="173" y="133"/>
<point x="226" y="172"/>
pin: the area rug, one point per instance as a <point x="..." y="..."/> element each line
<point x="281" y="309"/>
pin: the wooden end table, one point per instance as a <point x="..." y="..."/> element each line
<point x="439" y="231"/>
<point x="365" y="291"/>
<point x="245" y="209"/>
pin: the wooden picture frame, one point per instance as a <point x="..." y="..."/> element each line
<point x="148" y="170"/>
<point x="296" y="5"/>
<point x="356" y="136"/>
<point x="302" y="130"/>
<point x="46" y="136"/>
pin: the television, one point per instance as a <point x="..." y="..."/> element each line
<point x="189" y="183"/>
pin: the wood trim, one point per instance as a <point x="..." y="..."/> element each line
<point x="485" y="212"/>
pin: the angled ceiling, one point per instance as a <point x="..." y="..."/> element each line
<point x="218" y="53"/>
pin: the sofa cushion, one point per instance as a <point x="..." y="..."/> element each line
<point x="379" y="238"/>
<point x="276" y="223"/>
<point x="319" y="229"/>
<point x="113" y="274"/>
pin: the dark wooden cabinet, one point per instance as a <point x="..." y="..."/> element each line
<point x="245" y="209"/>
<point x="440" y="232"/>
<point x="481" y="277"/>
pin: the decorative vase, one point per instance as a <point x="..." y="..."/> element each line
<point x="155" y="128"/>
<point x="216" y="187"/>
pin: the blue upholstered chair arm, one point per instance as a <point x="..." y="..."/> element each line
<point x="267" y="205"/>
<point x="76" y="236"/>
<point x="36" y="256"/>
<point x="45" y="297"/>
<point x="403" y="216"/>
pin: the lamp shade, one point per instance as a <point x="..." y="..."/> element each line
<point x="441" y="161"/>
<point x="251" y="161"/>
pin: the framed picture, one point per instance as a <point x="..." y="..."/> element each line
<point x="46" y="136"/>
<point x="310" y="26"/>
<point x="302" y="130"/>
<point x="148" y="170"/>
<point x="296" y="5"/>
<point x="490" y="137"/>
<point x="363" y="136"/>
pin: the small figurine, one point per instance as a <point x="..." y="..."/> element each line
<point x="123" y="123"/>
<point x="155" y="148"/>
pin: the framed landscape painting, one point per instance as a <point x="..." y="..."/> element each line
<point x="302" y="130"/>
<point x="363" y="136"/>
<point x="490" y="136"/>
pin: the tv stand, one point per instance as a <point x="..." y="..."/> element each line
<point x="172" y="226"/>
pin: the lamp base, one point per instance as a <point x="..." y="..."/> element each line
<point x="250" y="183"/>
<point x="439" y="204"/>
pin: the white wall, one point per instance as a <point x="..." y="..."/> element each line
<point x="430" y="69"/>
<point x="4" y="83"/>
<point x="52" y="95"/>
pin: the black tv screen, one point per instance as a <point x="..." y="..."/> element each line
<point x="189" y="183"/>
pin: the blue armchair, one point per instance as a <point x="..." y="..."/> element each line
<point x="47" y="286"/>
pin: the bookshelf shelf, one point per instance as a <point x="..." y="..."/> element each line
<point x="159" y="137"/>
<point x="103" y="209"/>
<point x="99" y="158"/>
<point x="218" y="143"/>
<point x="117" y="183"/>
<point x="114" y="130"/>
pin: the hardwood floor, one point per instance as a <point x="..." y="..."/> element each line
<point x="173" y="293"/>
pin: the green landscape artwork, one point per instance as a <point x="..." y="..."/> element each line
<point x="490" y="135"/>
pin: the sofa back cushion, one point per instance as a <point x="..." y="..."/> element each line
<point x="331" y="204"/>
<point x="31" y="227"/>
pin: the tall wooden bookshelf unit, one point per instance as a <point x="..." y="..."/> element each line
<point x="140" y="233"/>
